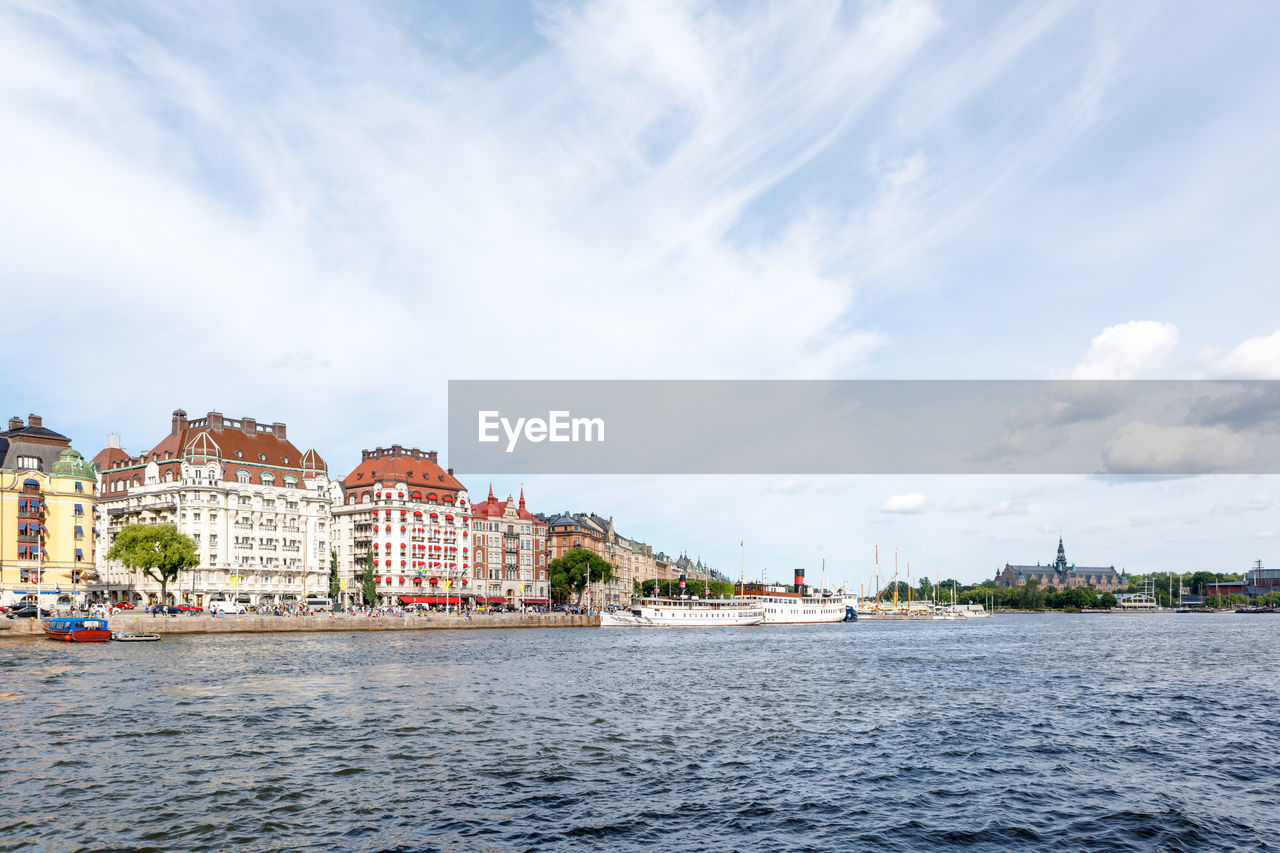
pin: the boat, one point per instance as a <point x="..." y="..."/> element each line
<point x="77" y="629"/>
<point x="133" y="637"/>
<point x="685" y="613"/>
<point x="796" y="608"/>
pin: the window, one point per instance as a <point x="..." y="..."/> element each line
<point x="79" y="510"/>
<point x="195" y="516"/>
<point x="79" y="487"/>
<point x="244" y="500"/>
<point x="79" y="532"/>
<point x="267" y="478"/>
<point x="239" y="454"/>
<point x="31" y="463"/>
<point x="242" y="476"/>
<point x="262" y="457"/>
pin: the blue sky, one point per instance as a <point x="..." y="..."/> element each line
<point x="321" y="213"/>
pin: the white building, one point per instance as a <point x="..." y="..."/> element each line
<point x="258" y="509"/>
<point x="403" y="516"/>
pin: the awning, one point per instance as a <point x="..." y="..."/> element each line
<point x="493" y="599"/>
<point x="428" y="599"/>
<point x="537" y="601"/>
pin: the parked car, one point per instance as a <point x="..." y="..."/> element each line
<point x="191" y="609"/>
<point x="164" y="610"/>
<point x="124" y="605"/>
<point x="27" y="611"/>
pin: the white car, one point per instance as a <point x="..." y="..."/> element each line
<point x="224" y="608"/>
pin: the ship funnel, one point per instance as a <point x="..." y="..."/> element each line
<point x="800" y="581"/>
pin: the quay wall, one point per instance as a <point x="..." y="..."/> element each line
<point x="251" y="624"/>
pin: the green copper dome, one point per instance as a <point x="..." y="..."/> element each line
<point x="71" y="464"/>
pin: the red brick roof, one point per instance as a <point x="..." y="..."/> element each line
<point x="413" y="468"/>
<point x="108" y="456"/>
<point x="493" y="508"/>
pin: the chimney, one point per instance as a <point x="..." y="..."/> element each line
<point x="113" y="440"/>
<point x="433" y="456"/>
<point x="449" y="472"/>
<point x="800" y="581"/>
<point x="179" y="422"/>
<point x="34" y="420"/>
<point x="249" y="425"/>
<point x="278" y="429"/>
<point x="214" y="420"/>
<point x="15" y="423"/>
<point x="364" y="456"/>
<point x="397" y="450"/>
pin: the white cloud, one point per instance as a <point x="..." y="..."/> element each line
<point x="1142" y="448"/>
<point x="1127" y="351"/>
<point x="1256" y="358"/>
<point x="911" y="502"/>
<point x="1014" y="507"/>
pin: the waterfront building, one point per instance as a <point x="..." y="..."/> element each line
<point x="510" y="552"/>
<point x="257" y="508"/>
<point x="48" y="512"/>
<point x="1060" y="575"/>
<point x="409" y="520"/>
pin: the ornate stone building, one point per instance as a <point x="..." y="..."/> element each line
<point x="409" y="519"/>
<point x="1060" y="575"/>
<point x="511" y="552"/>
<point x="48" y="512"/>
<point x="257" y="507"/>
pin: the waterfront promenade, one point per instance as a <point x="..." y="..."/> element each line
<point x="253" y="624"/>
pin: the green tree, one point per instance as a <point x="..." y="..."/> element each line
<point x="159" y="551"/>
<point x="1201" y="580"/>
<point x="368" y="589"/>
<point x="335" y="585"/>
<point x="572" y="572"/>
<point x="1031" y="596"/>
<point x="1107" y="600"/>
<point x="924" y="592"/>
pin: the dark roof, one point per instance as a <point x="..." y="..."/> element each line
<point x="38" y="433"/>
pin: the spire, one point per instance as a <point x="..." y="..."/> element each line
<point x="522" y="497"/>
<point x="1061" y="561"/>
<point x="491" y="491"/>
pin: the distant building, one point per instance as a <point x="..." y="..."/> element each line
<point x="48" y="506"/>
<point x="1060" y="575"/>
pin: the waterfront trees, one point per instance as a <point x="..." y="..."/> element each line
<point x="368" y="589"/>
<point x="571" y="573"/>
<point x="159" y="551"/>
<point x="335" y="585"/>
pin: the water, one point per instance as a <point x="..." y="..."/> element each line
<point x="1020" y="732"/>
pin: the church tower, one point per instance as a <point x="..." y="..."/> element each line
<point x="1061" y="562"/>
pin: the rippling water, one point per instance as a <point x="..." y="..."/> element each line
<point x="1021" y="732"/>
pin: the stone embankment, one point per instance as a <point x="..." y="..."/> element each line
<point x="250" y="624"/>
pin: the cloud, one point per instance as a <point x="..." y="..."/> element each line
<point x="1257" y="503"/>
<point x="909" y="503"/>
<point x="1143" y="448"/>
<point x="1128" y="350"/>
<point x="962" y="504"/>
<point x="1008" y="508"/>
<point x="1256" y="358"/>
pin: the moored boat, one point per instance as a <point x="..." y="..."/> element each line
<point x="77" y="629"/>
<point x="685" y="613"/>
<point x="795" y="608"/>
<point x="133" y="637"/>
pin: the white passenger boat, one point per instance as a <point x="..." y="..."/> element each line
<point x="793" y="608"/>
<point x="685" y="613"/>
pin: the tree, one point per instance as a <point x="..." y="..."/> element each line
<point x="924" y="592"/>
<point x="335" y="585"/>
<point x="368" y="589"/>
<point x="570" y="574"/>
<point x="159" y="551"/>
<point x="1107" y="600"/>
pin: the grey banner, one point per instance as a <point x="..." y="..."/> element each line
<point x="1144" y="427"/>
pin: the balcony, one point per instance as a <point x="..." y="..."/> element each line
<point x="244" y="525"/>
<point x="291" y="548"/>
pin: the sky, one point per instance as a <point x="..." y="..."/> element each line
<point x="321" y="213"/>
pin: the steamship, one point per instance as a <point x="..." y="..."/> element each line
<point x="795" y="608"/>
<point x="685" y="613"/>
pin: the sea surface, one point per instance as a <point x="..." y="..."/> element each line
<point x="1023" y="732"/>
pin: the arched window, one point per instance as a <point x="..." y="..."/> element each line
<point x="242" y="476"/>
<point x="267" y="478"/>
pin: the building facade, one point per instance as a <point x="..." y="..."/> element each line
<point x="511" y="552"/>
<point x="1060" y="575"/>
<point x="402" y="515"/>
<point x="48" y="511"/>
<point x="257" y="508"/>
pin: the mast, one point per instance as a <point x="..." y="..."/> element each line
<point x="877" y="605"/>
<point x="895" y="580"/>
<point x="742" y="567"/>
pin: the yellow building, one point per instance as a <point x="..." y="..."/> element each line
<point x="48" y="507"/>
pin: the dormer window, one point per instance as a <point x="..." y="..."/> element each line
<point x="284" y="460"/>
<point x="262" y="457"/>
<point x="239" y="454"/>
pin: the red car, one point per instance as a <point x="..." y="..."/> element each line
<point x="190" y="609"/>
<point x="124" y="605"/>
